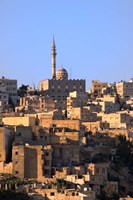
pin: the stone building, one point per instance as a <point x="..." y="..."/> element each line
<point x="27" y="162"/>
<point x="31" y="161"/>
<point x="16" y="121"/>
<point x="36" y="103"/>
<point x="47" y="161"/>
<point x="98" y="175"/>
<point x="79" y="113"/>
<point x="63" y="136"/>
<point x="6" y="138"/>
<point x="59" y="86"/>
<point x="109" y="107"/>
<point x="68" y="194"/>
<point x="70" y="124"/>
<point x="97" y="87"/>
<point x="76" y="99"/>
<point x="65" y="155"/>
<point x="125" y="89"/>
<point x="23" y="134"/>
<point x="116" y="120"/>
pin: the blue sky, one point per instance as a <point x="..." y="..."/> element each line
<point x="94" y="39"/>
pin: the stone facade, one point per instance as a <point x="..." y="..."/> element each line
<point x="32" y="161"/>
<point x="50" y="123"/>
<point x="36" y="104"/>
<point x="6" y="138"/>
<point x="97" y="87"/>
<point x="59" y="89"/>
<point x="125" y="89"/>
<point x="16" y="121"/>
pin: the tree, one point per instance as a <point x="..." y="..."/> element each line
<point x="124" y="149"/>
<point x="22" y="91"/>
<point x="107" y="193"/>
<point x="10" y="195"/>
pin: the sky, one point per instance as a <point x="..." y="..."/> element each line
<point x="94" y="39"/>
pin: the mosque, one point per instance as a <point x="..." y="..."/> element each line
<point x="59" y="86"/>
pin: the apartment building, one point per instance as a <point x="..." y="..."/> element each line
<point x="8" y="89"/>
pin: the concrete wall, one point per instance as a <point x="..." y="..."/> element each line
<point x="16" y="121"/>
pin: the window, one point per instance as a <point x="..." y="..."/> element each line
<point x="46" y="154"/>
<point x="16" y="172"/>
<point x="16" y="162"/>
<point x="51" y="193"/>
<point x="19" y="134"/>
<point x="46" y="163"/>
<point x="16" y="152"/>
<point x="46" y="172"/>
<point x="97" y="170"/>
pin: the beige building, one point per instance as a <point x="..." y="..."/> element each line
<point x="76" y="99"/>
<point x="125" y="89"/>
<point x="23" y="134"/>
<point x="27" y="161"/>
<point x="6" y="138"/>
<point x="64" y="155"/>
<point x="63" y="136"/>
<point x="97" y="87"/>
<point x="29" y="103"/>
<point x="59" y="89"/>
<point x="108" y="103"/>
<point x="59" y="86"/>
<point x="41" y="135"/>
<point x="82" y="113"/>
<point x="36" y="104"/>
<point x="99" y="169"/>
<point x="75" y="102"/>
<point x="94" y="126"/>
<point x="47" y="161"/>
<point x="69" y="194"/>
<point x="98" y="175"/>
<point x="50" y="123"/>
<point x="16" y="121"/>
<point x="109" y="107"/>
<point x="5" y="168"/>
<point x="108" y="98"/>
<point x="116" y="120"/>
<point x="32" y="161"/>
<point x="79" y="113"/>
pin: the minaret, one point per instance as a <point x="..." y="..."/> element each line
<point x="53" y="60"/>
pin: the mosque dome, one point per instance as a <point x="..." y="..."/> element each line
<point x="61" y="74"/>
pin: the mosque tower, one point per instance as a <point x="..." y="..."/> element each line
<point x="53" y="60"/>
